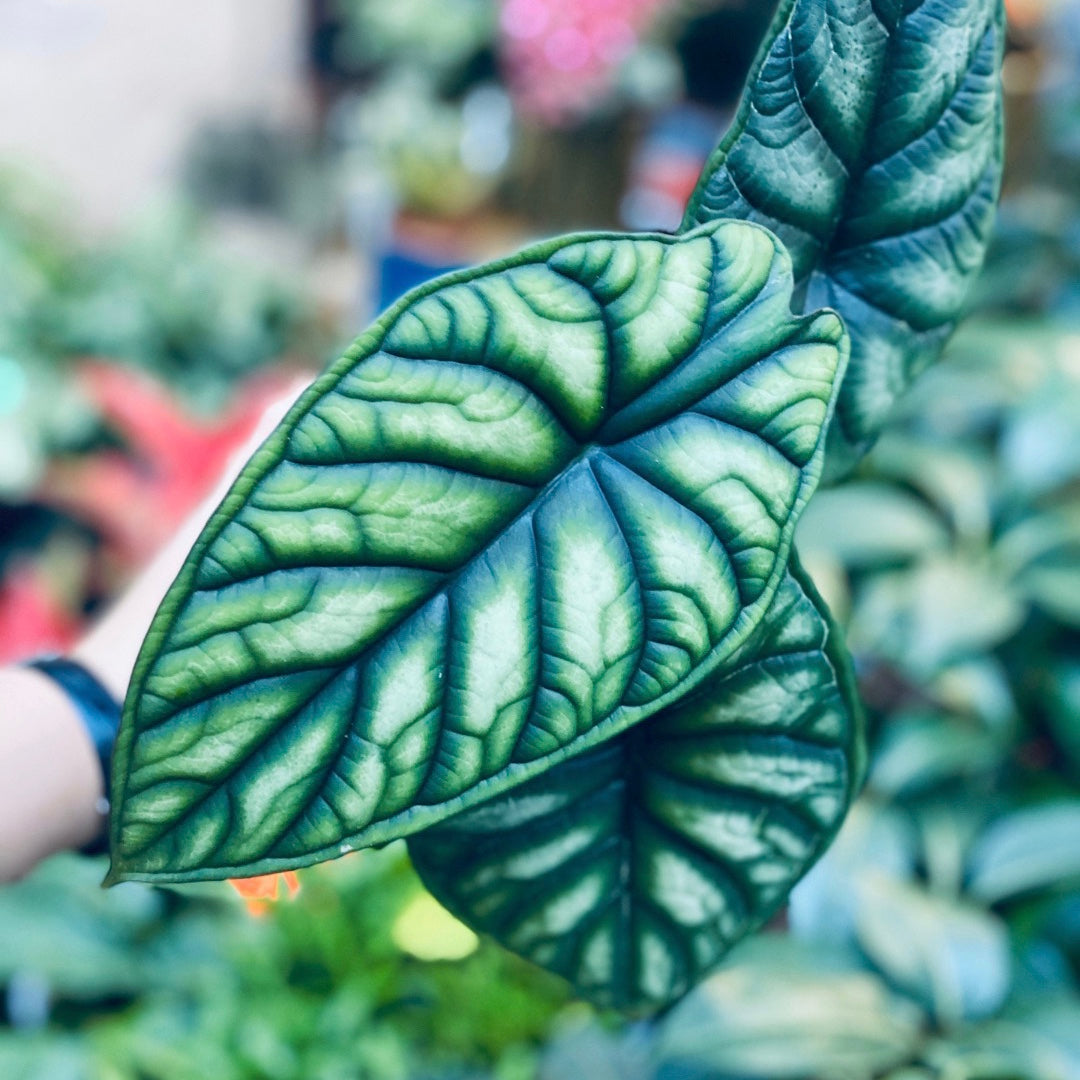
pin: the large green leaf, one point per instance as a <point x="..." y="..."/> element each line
<point x="632" y="869"/>
<point x="869" y="141"/>
<point x="537" y="502"/>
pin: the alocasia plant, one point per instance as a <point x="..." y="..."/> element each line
<point x="514" y="580"/>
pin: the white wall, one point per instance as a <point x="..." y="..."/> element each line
<point x="103" y="94"/>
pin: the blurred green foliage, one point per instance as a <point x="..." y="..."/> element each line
<point x="939" y="939"/>
<point x="164" y="298"/>
<point x="438" y="35"/>
<point x="142" y="983"/>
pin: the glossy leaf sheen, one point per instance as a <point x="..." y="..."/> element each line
<point x="632" y="869"/>
<point x="537" y="502"/>
<point x="869" y="140"/>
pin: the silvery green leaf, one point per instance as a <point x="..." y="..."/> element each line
<point x="537" y="502"/>
<point x="874" y="837"/>
<point x="1040" y="445"/>
<point x="786" y="1012"/>
<point x="870" y="141"/>
<point x="632" y="869"/>
<point x="52" y="1056"/>
<point x="1054" y="588"/>
<point x="945" y="609"/>
<point x="590" y="1049"/>
<point x="920" y="751"/>
<point x="870" y="524"/>
<point x="957" y="479"/>
<point x="1039" y="1041"/>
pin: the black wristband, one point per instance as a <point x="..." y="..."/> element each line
<point x="100" y="713"/>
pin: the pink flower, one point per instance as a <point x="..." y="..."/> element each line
<point x="561" y="55"/>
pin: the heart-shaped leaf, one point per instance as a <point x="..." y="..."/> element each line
<point x="869" y="140"/>
<point x="537" y="502"/>
<point x="632" y="869"/>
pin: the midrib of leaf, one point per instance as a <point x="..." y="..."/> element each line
<point x="523" y="770"/>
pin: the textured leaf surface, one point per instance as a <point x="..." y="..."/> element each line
<point x="632" y="869"/>
<point x="534" y="504"/>
<point x="869" y="141"/>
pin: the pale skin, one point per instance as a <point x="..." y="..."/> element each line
<point x="51" y="783"/>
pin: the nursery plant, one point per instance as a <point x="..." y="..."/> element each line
<point x="514" y="579"/>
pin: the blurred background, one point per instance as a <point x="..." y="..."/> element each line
<point x="199" y="200"/>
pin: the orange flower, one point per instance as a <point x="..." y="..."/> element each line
<point x="1027" y="14"/>
<point x="265" y="889"/>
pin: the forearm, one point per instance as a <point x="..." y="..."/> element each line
<point x="51" y="786"/>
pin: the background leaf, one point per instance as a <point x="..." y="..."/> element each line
<point x="824" y="904"/>
<point x="953" y="957"/>
<point x="947" y="609"/>
<point x="1040" y="1041"/>
<point x="31" y="1057"/>
<point x="781" y="1010"/>
<point x="920" y="751"/>
<point x="870" y="525"/>
<point x="1030" y="849"/>
<point x="880" y="180"/>
<point x="535" y="503"/>
<point x="631" y="870"/>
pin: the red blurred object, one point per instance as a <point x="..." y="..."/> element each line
<point x="32" y="618"/>
<point x="260" y="891"/>
<point x="135" y="498"/>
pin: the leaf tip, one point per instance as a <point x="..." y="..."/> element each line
<point x="114" y="876"/>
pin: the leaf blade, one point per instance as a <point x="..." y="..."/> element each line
<point x="458" y="497"/>
<point x="633" y="868"/>
<point x="881" y="181"/>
